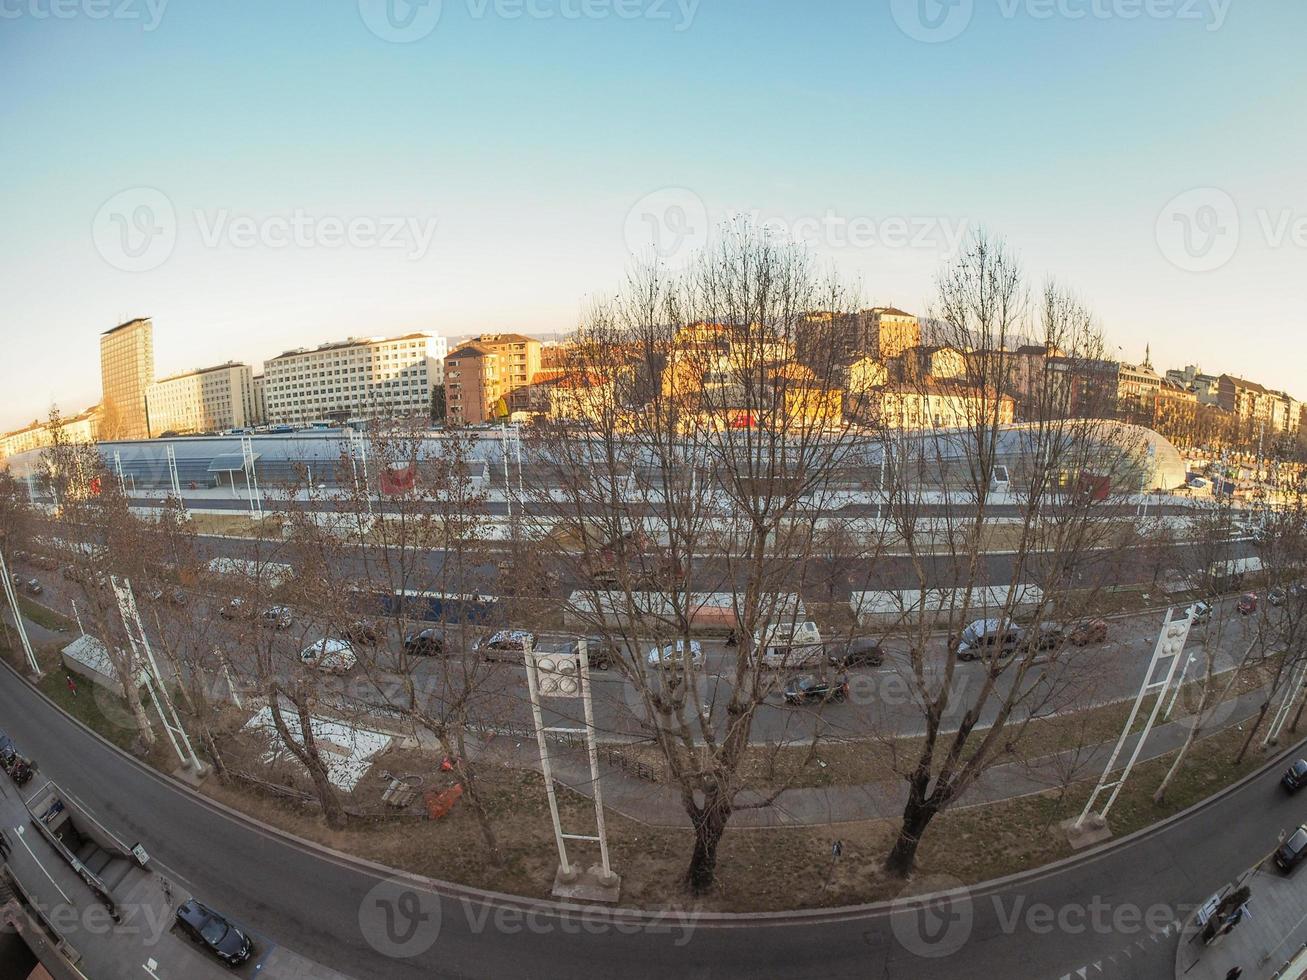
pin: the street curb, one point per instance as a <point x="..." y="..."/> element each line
<point x="797" y="917"/>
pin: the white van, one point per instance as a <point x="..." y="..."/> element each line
<point x="330" y="655"/>
<point x="788" y="645"/>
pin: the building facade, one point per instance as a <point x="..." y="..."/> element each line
<point x="126" y="372"/>
<point x="79" y="428"/>
<point x="207" y="400"/>
<point x="489" y="377"/>
<point x="354" y="378"/>
<point x="260" y="399"/>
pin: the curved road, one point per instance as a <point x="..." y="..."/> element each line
<point x="1114" y="913"/>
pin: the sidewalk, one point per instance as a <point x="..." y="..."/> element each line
<point x="1270" y="935"/>
<point x="658" y="804"/>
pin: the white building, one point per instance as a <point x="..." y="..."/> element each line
<point x="207" y="400"/>
<point x="358" y="377"/>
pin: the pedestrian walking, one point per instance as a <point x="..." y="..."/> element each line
<point x="72" y="684"/>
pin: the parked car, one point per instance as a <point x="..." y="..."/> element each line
<point x="1290" y="853"/>
<point x="788" y="645"/>
<point x="600" y="652"/>
<point x="673" y="655"/>
<point x="362" y="632"/>
<point x="276" y="617"/>
<point x="505" y="642"/>
<point x="1295" y="777"/>
<point x="216" y="934"/>
<point x="857" y="651"/>
<point x="1088" y="631"/>
<point x="234" y="609"/>
<point x="810" y="688"/>
<point x="1200" y="611"/>
<point x="33" y="587"/>
<point x="1281" y="594"/>
<point x="1049" y="635"/>
<point x="330" y="655"/>
<point x="427" y="642"/>
<point x="985" y="634"/>
<point x="1247" y="604"/>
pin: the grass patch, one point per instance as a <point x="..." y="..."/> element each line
<point x="43" y="616"/>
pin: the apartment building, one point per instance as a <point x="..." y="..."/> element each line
<point x="883" y="332"/>
<point x="126" y="371"/>
<point x="78" y="428"/>
<point x="490" y="377"/>
<point x="260" y="399"/>
<point x="205" y="400"/>
<point x="353" y="378"/>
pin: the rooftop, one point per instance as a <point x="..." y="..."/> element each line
<point x="124" y="326"/>
<point x="349" y="342"/>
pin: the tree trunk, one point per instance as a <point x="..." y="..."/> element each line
<point x="134" y="704"/>
<point x="709" y="827"/>
<point x="902" y="858"/>
<point x="1252" y="731"/>
<point x="1159" y="797"/>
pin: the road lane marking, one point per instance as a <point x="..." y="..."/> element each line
<point x="22" y="836"/>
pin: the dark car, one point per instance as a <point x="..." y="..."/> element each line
<point x="1049" y="636"/>
<point x="1247" y="604"/>
<point x="809" y="688"/>
<point x="362" y="632"/>
<point x="234" y="609"/>
<point x="1290" y="854"/>
<point x="220" y="937"/>
<point x="985" y="634"/>
<point x="859" y="651"/>
<point x="428" y="642"/>
<point x="1295" y="776"/>
<point x="601" y="653"/>
<point x="33" y="587"/>
<point x="1088" y="631"/>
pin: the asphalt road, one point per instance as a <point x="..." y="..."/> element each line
<point x="1113" y="914"/>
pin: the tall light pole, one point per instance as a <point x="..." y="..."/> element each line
<point x="567" y="675"/>
<point x="12" y="596"/>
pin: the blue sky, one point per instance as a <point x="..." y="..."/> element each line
<point x="498" y="169"/>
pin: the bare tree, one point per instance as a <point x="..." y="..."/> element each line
<point x="687" y="458"/>
<point x="1062" y="470"/>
